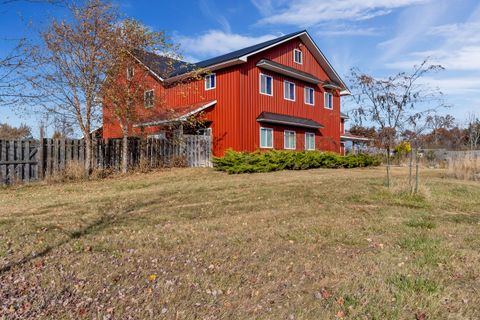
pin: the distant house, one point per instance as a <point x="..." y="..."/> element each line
<point x="279" y="94"/>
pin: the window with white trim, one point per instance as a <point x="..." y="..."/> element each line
<point x="297" y="56"/>
<point x="309" y="141"/>
<point x="130" y="72"/>
<point x="289" y="90"/>
<point x="210" y="81"/>
<point x="290" y="140"/>
<point x="309" y="96"/>
<point x="148" y="98"/>
<point x="328" y="100"/>
<point x="266" y="138"/>
<point x="266" y="84"/>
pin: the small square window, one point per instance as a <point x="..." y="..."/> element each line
<point x="148" y="98"/>
<point x="266" y="85"/>
<point x="309" y="141"/>
<point x="290" y="140"/>
<point x="328" y="100"/>
<point x="297" y="56"/>
<point x="309" y="96"/>
<point x="210" y="81"/>
<point x="266" y="138"/>
<point x="289" y="90"/>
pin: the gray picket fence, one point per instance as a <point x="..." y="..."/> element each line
<point x="30" y="160"/>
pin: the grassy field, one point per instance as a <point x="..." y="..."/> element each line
<point x="200" y="244"/>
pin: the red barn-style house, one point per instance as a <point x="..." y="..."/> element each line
<point x="279" y="94"/>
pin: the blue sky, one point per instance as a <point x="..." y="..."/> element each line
<point x="381" y="37"/>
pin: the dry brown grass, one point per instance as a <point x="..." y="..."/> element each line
<point x="464" y="167"/>
<point x="200" y="244"/>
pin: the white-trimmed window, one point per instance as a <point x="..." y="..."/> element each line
<point x="309" y="96"/>
<point x="130" y="72"/>
<point x="290" y="139"/>
<point x="297" y="56"/>
<point x="328" y="100"/>
<point x="148" y="98"/>
<point x="266" y="138"/>
<point x="289" y="90"/>
<point x="266" y="84"/>
<point x="309" y="141"/>
<point x="210" y="81"/>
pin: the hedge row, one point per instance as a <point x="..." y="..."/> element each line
<point x="251" y="162"/>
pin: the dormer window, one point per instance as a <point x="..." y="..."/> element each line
<point x="210" y="81"/>
<point x="130" y="72"/>
<point x="297" y="56"/>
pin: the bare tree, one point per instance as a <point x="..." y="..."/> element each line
<point x="390" y="102"/>
<point x="68" y="68"/>
<point x="473" y="131"/>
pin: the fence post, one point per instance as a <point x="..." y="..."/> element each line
<point x="41" y="155"/>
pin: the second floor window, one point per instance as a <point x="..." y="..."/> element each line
<point x="328" y="100"/>
<point x="309" y="96"/>
<point x="289" y="90"/>
<point x="266" y="85"/>
<point x="210" y="81"/>
<point x="148" y="98"/>
<point x="297" y="56"/>
<point x="130" y="72"/>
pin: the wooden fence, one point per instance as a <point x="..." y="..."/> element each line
<point x="27" y="160"/>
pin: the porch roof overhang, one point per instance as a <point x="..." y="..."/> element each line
<point x="176" y="115"/>
<point x="351" y="137"/>
<point x="288" y="71"/>
<point x="282" y="119"/>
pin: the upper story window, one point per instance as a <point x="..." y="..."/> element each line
<point x="266" y="138"/>
<point x="309" y="96"/>
<point x="290" y="140"/>
<point x="328" y="100"/>
<point x="297" y="56"/>
<point x="130" y="72"/>
<point x="289" y="90"/>
<point x="266" y="84"/>
<point x="210" y="81"/>
<point x="148" y="98"/>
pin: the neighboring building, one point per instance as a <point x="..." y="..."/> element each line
<point x="279" y="94"/>
<point x="355" y="143"/>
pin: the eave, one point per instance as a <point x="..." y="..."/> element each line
<point x="275" y="118"/>
<point x="287" y="71"/>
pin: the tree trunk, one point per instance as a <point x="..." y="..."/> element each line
<point x="410" y="168"/>
<point x="417" y="176"/>
<point x="125" y="150"/>
<point x="388" y="167"/>
<point x="88" y="154"/>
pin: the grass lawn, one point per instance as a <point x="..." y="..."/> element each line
<point x="200" y="244"/>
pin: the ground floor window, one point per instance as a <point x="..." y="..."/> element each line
<point x="289" y="140"/>
<point x="266" y="138"/>
<point x="309" y="141"/>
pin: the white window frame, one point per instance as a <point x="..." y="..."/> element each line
<point x="305" y="96"/>
<point x="295" y="56"/>
<point x="207" y="79"/>
<point x="294" y="139"/>
<point x="145" y="98"/>
<point x="306" y="144"/>
<point x="130" y="76"/>
<point x="285" y="91"/>
<point x="326" y="96"/>
<point x="260" y="84"/>
<point x="266" y="129"/>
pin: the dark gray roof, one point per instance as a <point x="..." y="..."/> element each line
<point x="295" y="73"/>
<point x="344" y="116"/>
<point x="276" y="118"/>
<point x="164" y="67"/>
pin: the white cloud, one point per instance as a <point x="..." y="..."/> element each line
<point x="311" y="12"/>
<point x="216" y="42"/>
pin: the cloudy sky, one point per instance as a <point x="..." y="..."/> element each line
<point x="380" y="37"/>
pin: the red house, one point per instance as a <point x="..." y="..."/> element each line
<point x="279" y="94"/>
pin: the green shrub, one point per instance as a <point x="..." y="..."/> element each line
<point x="251" y="162"/>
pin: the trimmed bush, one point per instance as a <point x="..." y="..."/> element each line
<point x="250" y="162"/>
